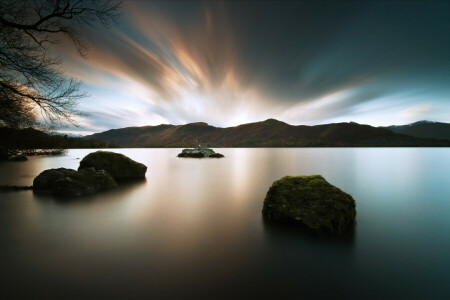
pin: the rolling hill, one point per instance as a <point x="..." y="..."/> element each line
<point x="424" y="129"/>
<point x="269" y="133"/>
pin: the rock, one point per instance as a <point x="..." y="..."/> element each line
<point x="119" y="166"/>
<point x="18" y="158"/>
<point x="45" y="180"/>
<point x="70" y="183"/>
<point x="310" y="201"/>
<point x="200" y="153"/>
<point x="97" y="172"/>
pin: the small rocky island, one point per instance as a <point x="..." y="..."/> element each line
<point x="312" y="202"/>
<point x="200" y="152"/>
<point x="98" y="171"/>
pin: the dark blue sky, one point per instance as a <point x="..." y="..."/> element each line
<point x="228" y="63"/>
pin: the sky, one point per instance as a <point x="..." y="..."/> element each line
<point x="229" y="63"/>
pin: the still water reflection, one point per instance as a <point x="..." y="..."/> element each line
<point x="193" y="229"/>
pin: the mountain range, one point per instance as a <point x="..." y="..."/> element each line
<point x="274" y="133"/>
<point x="424" y="129"/>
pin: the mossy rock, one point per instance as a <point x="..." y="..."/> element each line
<point x="310" y="201"/>
<point x="119" y="166"/>
<point x="70" y="183"/>
<point x="45" y="180"/>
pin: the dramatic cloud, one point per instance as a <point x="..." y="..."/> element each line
<point x="228" y="63"/>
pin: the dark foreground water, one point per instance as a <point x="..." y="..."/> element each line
<point x="193" y="229"/>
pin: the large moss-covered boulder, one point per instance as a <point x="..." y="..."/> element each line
<point x="119" y="166"/>
<point x="200" y="153"/>
<point x="310" y="201"/>
<point x="71" y="183"/>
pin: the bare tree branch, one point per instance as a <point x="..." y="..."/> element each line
<point x="30" y="82"/>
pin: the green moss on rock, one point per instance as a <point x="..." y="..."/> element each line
<point x="312" y="202"/>
<point x="70" y="183"/>
<point x="45" y="180"/>
<point x="119" y="166"/>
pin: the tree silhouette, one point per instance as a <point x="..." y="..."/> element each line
<point x="30" y="82"/>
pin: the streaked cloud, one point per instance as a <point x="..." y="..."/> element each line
<point x="228" y="63"/>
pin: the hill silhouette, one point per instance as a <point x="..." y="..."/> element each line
<point x="268" y="133"/>
<point x="424" y="129"/>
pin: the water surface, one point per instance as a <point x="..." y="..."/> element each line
<point x="194" y="229"/>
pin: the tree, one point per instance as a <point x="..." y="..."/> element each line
<point x="31" y="85"/>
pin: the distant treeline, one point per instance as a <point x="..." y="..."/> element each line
<point x="30" y="138"/>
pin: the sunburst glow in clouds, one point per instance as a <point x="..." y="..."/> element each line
<point x="228" y="63"/>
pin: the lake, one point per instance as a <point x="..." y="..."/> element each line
<point x="193" y="229"/>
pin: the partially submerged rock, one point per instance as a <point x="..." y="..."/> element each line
<point x="45" y="180"/>
<point x="119" y="166"/>
<point x="97" y="171"/>
<point x="310" y="201"/>
<point x="70" y="183"/>
<point x="200" y="153"/>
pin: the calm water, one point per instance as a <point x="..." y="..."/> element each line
<point x="193" y="229"/>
